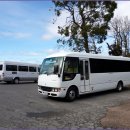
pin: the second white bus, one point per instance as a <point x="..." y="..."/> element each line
<point x="13" y="72"/>
<point x="72" y="74"/>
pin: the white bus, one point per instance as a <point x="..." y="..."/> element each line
<point x="13" y="72"/>
<point x="72" y="74"/>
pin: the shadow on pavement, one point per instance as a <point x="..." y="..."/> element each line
<point x="91" y="95"/>
<point x="21" y="82"/>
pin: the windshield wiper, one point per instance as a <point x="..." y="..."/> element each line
<point x="44" y="72"/>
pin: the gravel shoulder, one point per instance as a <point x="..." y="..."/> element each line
<point x="117" y="117"/>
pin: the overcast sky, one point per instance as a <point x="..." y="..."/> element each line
<point x="27" y="32"/>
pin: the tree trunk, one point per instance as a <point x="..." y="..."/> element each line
<point x="86" y="43"/>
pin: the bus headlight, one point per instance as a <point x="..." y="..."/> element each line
<point x="56" y="89"/>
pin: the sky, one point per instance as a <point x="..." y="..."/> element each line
<point x="27" y="32"/>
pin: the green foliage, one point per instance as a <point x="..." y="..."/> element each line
<point x="87" y="19"/>
<point x="115" y="49"/>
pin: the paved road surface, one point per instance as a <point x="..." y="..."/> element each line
<point x="22" y="107"/>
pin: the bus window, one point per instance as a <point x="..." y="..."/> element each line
<point x="32" y="69"/>
<point x="23" y="68"/>
<point x="1" y="66"/>
<point x="82" y="71"/>
<point x="86" y="70"/>
<point x="48" y="64"/>
<point x="70" y="68"/>
<point x="38" y="69"/>
<point x="11" y="67"/>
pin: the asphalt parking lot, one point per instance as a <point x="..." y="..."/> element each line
<point x="22" y="107"/>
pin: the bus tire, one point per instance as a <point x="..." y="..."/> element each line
<point x="71" y="94"/>
<point x="16" y="81"/>
<point x="8" y="82"/>
<point x="119" y="87"/>
<point x="35" y="81"/>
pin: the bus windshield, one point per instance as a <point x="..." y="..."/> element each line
<point x="1" y="66"/>
<point x="48" y="65"/>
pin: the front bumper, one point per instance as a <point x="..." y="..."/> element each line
<point x="6" y="79"/>
<point x="50" y="93"/>
<point x="1" y="78"/>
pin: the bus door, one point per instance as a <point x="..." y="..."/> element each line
<point x="84" y="76"/>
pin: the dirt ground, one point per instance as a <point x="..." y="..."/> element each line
<point x="117" y="117"/>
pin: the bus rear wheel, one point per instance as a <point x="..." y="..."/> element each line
<point x="119" y="87"/>
<point x="16" y="81"/>
<point x="35" y="81"/>
<point x="8" y="82"/>
<point x="71" y="94"/>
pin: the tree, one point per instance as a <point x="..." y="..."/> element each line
<point x="115" y="49"/>
<point x="87" y="20"/>
<point x="120" y="27"/>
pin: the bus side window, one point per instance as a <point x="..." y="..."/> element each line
<point x="86" y="70"/>
<point x="11" y="67"/>
<point x="71" y="68"/>
<point x="38" y="69"/>
<point x="71" y="65"/>
<point x="81" y="70"/>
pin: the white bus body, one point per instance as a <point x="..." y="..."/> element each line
<point x="18" y="71"/>
<point x="73" y="74"/>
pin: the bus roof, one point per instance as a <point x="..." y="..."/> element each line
<point x="18" y="63"/>
<point x="87" y="55"/>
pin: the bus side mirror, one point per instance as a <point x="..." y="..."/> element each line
<point x="56" y="69"/>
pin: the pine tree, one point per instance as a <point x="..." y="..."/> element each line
<point x="88" y="20"/>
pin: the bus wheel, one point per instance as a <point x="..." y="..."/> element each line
<point x="71" y="94"/>
<point x="8" y="82"/>
<point x="16" y="81"/>
<point x="119" y="87"/>
<point x="35" y="81"/>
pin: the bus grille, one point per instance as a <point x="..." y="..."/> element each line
<point x="48" y="89"/>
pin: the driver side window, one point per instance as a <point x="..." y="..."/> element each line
<point x="71" y="68"/>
